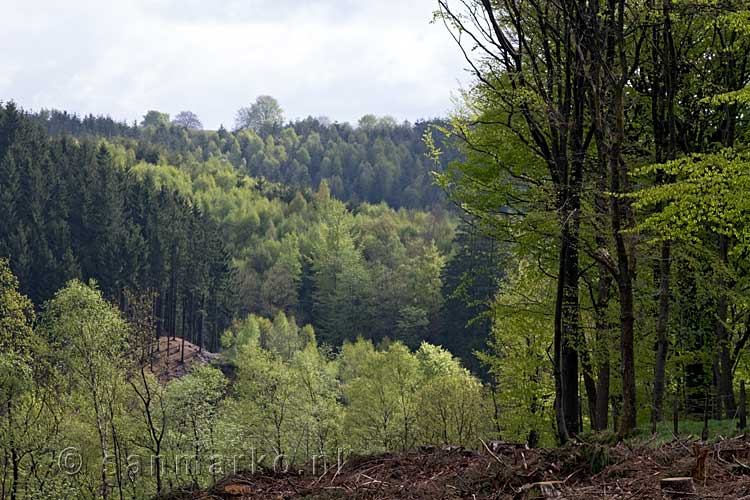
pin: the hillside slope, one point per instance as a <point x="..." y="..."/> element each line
<point x="171" y="364"/>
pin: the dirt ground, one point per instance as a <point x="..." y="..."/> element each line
<point x="169" y="362"/>
<point x="585" y="470"/>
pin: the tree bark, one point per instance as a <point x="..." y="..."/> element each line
<point x="602" y="343"/>
<point x="590" y="385"/>
<point x="624" y="274"/>
<point x="570" y="206"/>
<point x="662" y="324"/>
<point x="726" y="385"/>
<point x="664" y="61"/>
<point x="608" y="74"/>
<point x="557" y="75"/>
<point x="628" y="357"/>
<point x="743" y="407"/>
<point x="566" y="335"/>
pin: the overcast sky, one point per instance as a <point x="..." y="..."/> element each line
<point x="338" y="58"/>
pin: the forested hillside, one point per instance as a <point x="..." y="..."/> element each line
<point x="113" y="261"/>
<point x="545" y="294"/>
<point x="376" y="160"/>
<point x="216" y="243"/>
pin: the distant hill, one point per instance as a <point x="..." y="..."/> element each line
<point x="379" y="160"/>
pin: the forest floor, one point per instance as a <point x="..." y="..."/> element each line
<point x="584" y="470"/>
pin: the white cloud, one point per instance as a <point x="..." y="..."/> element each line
<point x="340" y="58"/>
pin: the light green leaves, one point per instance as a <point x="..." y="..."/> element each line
<point x="710" y="194"/>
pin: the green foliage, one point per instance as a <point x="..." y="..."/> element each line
<point x="709" y="194"/>
<point x="239" y="334"/>
<point x="87" y="334"/>
<point x="313" y="258"/>
<point x="155" y="119"/>
<point x="396" y="399"/>
<point x="192" y="404"/>
<point x="99" y="215"/>
<point x="339" y="275"/>
<point x="623" y="177"/>
<point x="379" y="161"/>
<point x="287" y="407"/>
<point x="16" y="326"/>
<point x="21" y="426"/>
<point x="88" y="339"/>
<point x="289" y="400"/>
<point x="521" y="344"/>
<point x="187" y="119"/>
<point x="451" y="402"/>
<point x="470" y="279"/>
<point x="264" y="112"/>
<point x="318" y="389"/>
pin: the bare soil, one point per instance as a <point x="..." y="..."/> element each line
<point x="170" y="363"/>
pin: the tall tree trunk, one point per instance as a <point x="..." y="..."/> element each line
<point x="570" y="339"/>
<point x="13" y="453"/>
<point x="201" y="322"/>
<point x="625" y="287"/>
<point x="662" y="344"/>
<point x="725" y="386"/>
<point x="562" y="425"/>
<point x="116" y="446"/>
<point x="560" y="69"/>
<point x="183" y="327"/>
<point x="610" y="73"/>
<point x="601" y="301"/>
<point x="625" y="271"/>
<point x="602" y="351"/>
<point x="566" y="334"/>
<point x="664" y="122"/>
<point x="570" y="205"/>
<point x="602" y="395"/>
<point x="190" y="324"/>
<point x="104" y="450"/>
<point x="16" y="475"/>
<point x="589" y="383"/>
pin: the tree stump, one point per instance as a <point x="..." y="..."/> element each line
<point x="677" y="487"/>
<point x="699" y="469"/>
<point x="743" y="405"/>
<point x="545" y="489"/>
